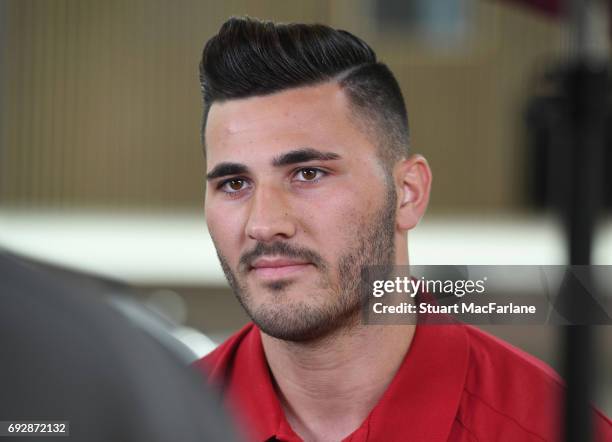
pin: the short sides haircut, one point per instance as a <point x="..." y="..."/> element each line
<point x="249" y="57"/>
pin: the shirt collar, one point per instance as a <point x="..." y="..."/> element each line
<point x="420" y="403"/>
<point x="251" y="391"/>
<point x="423" y="398"/>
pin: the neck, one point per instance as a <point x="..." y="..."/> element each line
<point x="328" y="387"/>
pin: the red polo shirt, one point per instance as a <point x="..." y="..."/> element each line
<point x="456" y="383"/>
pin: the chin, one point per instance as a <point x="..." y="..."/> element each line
<point x="280" y="285"/>
<point x="293" y="333"/>
<point x="299" y="321"/>
<point x="283" y="291"/>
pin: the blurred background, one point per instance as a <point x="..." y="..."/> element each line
<point x="101" y="169"/>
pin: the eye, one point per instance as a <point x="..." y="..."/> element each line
<point x="309" y="174"/>
<point x="233" y="185"/>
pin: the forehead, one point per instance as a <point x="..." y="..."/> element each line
<point x="314" y="116"/>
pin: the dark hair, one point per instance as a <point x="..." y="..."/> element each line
<point x="249" y="57"/>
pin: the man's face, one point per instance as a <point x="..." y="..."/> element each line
<point x="296" y="204"/>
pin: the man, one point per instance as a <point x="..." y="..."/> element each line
<point x="309" y="180"/>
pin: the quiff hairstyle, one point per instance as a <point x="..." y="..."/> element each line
<point x="249" y="57"/>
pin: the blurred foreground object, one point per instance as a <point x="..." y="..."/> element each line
<point x="69" y="357"/>
<point x="573" y="120"/>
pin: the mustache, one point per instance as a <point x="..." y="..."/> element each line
<point x="280" y="249"/>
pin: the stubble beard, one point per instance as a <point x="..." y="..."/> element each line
<point x="300" y="321"/>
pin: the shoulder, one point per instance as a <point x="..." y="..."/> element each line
<point x="511" y="395"/>
<point x="508" y="392"/>
<point x="215" y="365"/>
<point x="495" y="366"/>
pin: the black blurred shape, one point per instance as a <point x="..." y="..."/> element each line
<point x="67" y="356"/>
<point x="548" y="138"/>
<point x="577" y="301"/>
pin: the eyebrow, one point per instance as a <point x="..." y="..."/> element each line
<point x="225" y="169"/>
<point x="292" y="157"/>
<point x="303" y="155"/>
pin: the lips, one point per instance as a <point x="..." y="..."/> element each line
<point x="273" y="268"/>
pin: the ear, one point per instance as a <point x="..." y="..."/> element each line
<point x="413" y="183"/>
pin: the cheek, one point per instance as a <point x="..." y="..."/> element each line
<point x="336" y="220"/>
<point x="224" y="230"/>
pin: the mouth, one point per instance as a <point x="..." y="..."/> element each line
<point x="275" y="268"/>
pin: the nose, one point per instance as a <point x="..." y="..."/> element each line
<point x="270" y="216"/>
